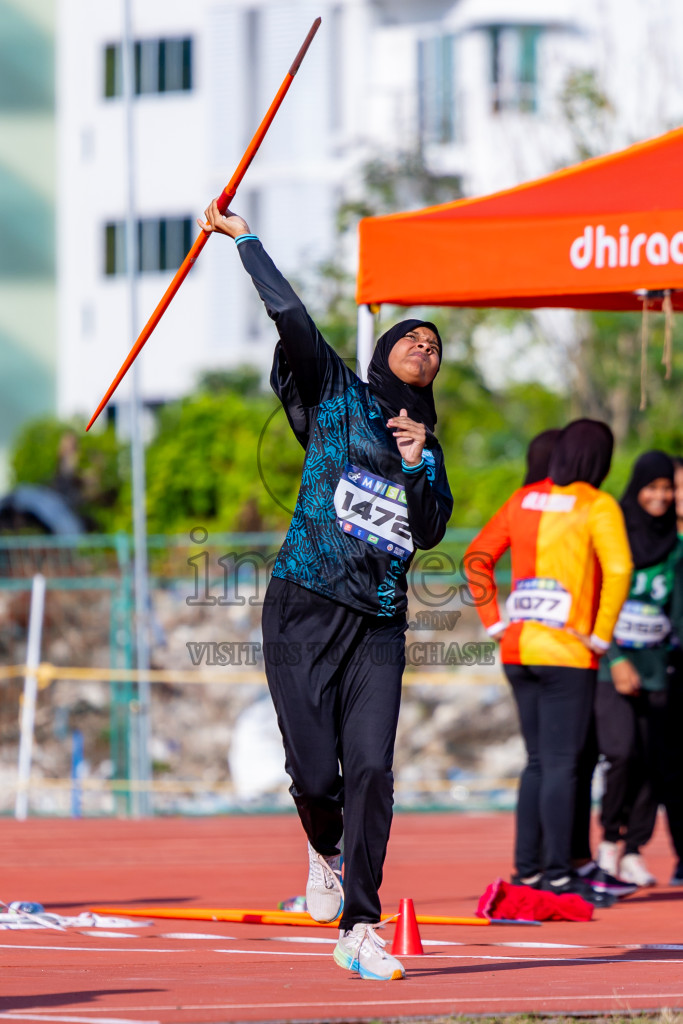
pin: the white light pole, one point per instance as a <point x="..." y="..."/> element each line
<point x="28" y="708"/>
<point x="140" y="741"/>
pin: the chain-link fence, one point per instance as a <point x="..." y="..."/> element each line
<point x="213" y="736"/>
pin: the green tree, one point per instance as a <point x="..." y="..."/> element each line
<point x="89" y="469"/>
<point x="222" y="460"/>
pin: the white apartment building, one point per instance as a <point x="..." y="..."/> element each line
<point x="27" y="192"/>
<point x="474" y="82"/>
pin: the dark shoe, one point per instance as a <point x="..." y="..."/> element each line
<point x="601" y="881"/>
<point x="677" y="877"/>
<point x="579" y="887"/>
<point x="516" y="880"/>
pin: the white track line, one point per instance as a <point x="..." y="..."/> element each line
<point x="429" y="956"/>
<point x="91" y="949"/>
<point x="430" y="942"/>
<point x="473" y="956"/>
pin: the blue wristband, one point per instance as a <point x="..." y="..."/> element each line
<point x="246" y="238"/>
<point x="412" y="469"/>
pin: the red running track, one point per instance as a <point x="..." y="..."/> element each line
<point x="628" y="958"/>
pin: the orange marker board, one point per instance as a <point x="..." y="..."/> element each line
<point x="272" y="917"/>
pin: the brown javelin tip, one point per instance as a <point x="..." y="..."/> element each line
<point x="304" y="46"/>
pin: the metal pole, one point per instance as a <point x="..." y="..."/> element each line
<point x="28" y="710"/>
<point x="365" y="341"/>
<point x="140" y="735"/>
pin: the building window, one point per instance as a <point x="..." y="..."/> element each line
<point x="161" y="65"/>
<point x="163" y="244"/>
<point x="436" y="89"/>
<point x="514" y="67"/>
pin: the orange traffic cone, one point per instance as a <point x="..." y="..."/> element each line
<point x="407" y="941"/>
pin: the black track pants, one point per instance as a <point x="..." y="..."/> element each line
<point x="629" y="802"/>
<point x="588" y="759"/>
<point x="335" y="679"/>
<point x="640" y="738"/>
<point x="555" y="706"/>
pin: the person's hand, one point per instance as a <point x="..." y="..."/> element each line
<point x="625" y="678"/>
<point x="410" y="437"/>
<point x="227" y="224"/>
<point x="587" y="642"/>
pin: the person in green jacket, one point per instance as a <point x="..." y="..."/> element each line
<point x="678" y="492"/>
<point x="632" y="702"/>
<point x="675" y="704"/>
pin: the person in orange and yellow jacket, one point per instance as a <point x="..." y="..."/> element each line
<point x="571" y="568"/>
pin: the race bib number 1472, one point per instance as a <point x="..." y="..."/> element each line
<point x="373" y="509"/>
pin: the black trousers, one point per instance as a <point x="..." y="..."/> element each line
<point x="555" y="706"/>
<point x="335" y="679"/>
<point x="640" y="738"/>
<point x="583" y="801"/>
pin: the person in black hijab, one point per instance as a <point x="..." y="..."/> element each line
<point x="632" y="697"/>
<point x="582" y="452"/>
<point x="538" y="456"/>
<point x="565" y="536"/>
<point x="390" y="390"/>
<point x="651" y="536"/>
<point x="373" y="490"/>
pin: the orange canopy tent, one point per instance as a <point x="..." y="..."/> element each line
<point x="598" y="235"/>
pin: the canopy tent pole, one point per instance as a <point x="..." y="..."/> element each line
<point x="366" y="340"/>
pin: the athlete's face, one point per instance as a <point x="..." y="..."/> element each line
<point x="657" y="496"/>
<point x="415" y="358"/>
<point x="678" y="491"/>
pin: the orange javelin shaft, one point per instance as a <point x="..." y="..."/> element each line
<point x="223" y="202"/>
<point x="272" y="917"/>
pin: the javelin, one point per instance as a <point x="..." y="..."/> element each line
<point x="223" y="203"/>
<point x="299" y="919"/>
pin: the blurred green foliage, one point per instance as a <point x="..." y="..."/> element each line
<point x="225" y="458"/>
<point x="88" y="469"/>
<point x="222" y="460"/>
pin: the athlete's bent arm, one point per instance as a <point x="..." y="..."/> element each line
<point x="608" y="533"/>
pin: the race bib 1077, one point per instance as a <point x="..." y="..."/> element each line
<point x="539" y="599"/>
<point x="373" y="509"/>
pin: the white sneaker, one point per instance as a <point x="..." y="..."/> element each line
<point x="608" y="858"/>
<point x="361" y="949"/>
<point x="632" y="869"/>
<point x="324" y="892"/>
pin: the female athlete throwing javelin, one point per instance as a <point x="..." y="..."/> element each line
<point x="373" y="490"/>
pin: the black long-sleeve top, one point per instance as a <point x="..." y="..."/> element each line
<point x="360" y="513"/>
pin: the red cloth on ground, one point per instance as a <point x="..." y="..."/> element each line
<point x="522" y="903"/>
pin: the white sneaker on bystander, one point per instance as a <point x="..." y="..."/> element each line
<point x="632" y="869"/>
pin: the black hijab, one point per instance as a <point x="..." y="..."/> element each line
<point x="651" y="538"/>
<point x="391" y="392"/>
<point x="538" y="456"/>
<point x="582" y="452"/>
